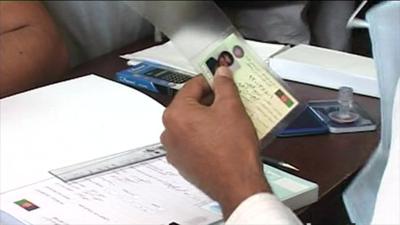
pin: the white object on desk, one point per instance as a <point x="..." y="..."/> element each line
<point x="327" y="68"/>
<point x="166" y="54"/>
<point x="70" y="122"/>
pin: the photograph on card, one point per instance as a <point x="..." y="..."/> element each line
<point x="224" y="57"/>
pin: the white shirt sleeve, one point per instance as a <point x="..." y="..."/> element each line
<point x="263" y="208"/>
<point x="387" y="206"/>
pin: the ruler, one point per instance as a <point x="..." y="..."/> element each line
<point x="107" y="163"/>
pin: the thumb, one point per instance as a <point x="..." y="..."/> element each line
<point x="223" y="85"/>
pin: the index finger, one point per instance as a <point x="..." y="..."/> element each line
<point x="194" y="89"/>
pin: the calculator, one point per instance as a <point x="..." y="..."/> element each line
<point x="154" y="77"/>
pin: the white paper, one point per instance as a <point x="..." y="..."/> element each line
<point x="168" y="55"/>
<point x="327" y="68"/>
<point x="152" y="192"/>
<point x="71" y="122"/>
<point x="148" y="193"/>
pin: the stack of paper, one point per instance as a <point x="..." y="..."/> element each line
<point x="294" y="191"/>
<point x="327" y="68"/>
<point x="168" y="55"/>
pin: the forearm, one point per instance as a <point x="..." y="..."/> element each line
<point x="32" y="53"/>
<point x="328" y="24"/>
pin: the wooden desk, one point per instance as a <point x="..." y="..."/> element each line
<point x="329" y="160"/>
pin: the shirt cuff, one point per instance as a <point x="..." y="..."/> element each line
<point x="262" y="208"/>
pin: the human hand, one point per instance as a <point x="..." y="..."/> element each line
<point x="215" y="147"/>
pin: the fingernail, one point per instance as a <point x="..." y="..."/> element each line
<point x="224" y="72"/>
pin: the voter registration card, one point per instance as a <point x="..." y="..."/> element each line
<point x="265" y="97"/>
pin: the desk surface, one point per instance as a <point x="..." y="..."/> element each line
<point x="329" y="160"/>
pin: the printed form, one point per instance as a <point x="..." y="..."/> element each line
<point x="151" y="192"/>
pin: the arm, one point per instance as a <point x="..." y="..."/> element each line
<point x="32" y="53"/>
<point x="215" y="146"/>
<point x="328" y="21"/>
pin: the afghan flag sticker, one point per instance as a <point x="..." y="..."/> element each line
<point x="284" y="98"/>
<point x="27" y="205"/>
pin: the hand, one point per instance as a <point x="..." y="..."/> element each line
<point x="215" y="146"/>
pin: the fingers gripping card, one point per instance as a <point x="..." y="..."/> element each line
<point x="266" y="100"/>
